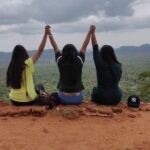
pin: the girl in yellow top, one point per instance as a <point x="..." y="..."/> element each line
<point x="20" y="74"/>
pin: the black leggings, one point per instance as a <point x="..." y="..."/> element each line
<point x="39" y="88"/>
<point x="23" y="103"/>
<point x="51" y="100"/>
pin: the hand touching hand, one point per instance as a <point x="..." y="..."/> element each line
<point x="47" y="29"/>
<point x="92" y="29"/>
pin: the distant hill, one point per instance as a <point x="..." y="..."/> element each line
<point x="48" y="55"/>
<point x="143" y="49"/>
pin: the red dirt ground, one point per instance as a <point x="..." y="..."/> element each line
<point x="127" y="130"/>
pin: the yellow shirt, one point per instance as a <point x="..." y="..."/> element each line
<point x="27" y="91"/>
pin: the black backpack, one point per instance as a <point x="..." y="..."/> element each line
<point x="133" y="101"/>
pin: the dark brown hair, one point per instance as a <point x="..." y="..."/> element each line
<point x="16" y="67"/>
<point x="108" y="54"/>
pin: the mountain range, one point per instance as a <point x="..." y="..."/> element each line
<point x="48" y="55"/>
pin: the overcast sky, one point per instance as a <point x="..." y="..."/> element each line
<point x="118" y="22"/>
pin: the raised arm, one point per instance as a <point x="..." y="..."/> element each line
<point x="96" y="54"/>
<point x="86" y="41"/>
<point x="41" y="47"/>
<point x="94" y="41"/>
<point x="52" y="41"/>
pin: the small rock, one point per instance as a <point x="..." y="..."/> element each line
<point x="91" y="109"/>
<point x="131" y="115"/>
<point x="139" y="147"/>
<point x="117" y="110"/>
<point x="140" y="133"/>
<point x="33" y="119"/>
<point x="105" y="111"/>
<point x="4" y="118"/>
<point x="70" y="114"/>
<point x="128" y="148"/>
<point x="38" y="111"/>
<point x="3" y="114"/>
<point x="45" y="130"/>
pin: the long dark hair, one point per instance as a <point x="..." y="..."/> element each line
<point x="16" y="67"/>
<point x="69" y="66"/>
<point x="69" y="52"/>
<point x="108" y="54"/>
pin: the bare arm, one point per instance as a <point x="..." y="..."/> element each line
<point x="40" y="49"/>
<point x="86" y="42"/>
<point x="52" y="41"/>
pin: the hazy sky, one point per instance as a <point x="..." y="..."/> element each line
<point x="118" y="22"/>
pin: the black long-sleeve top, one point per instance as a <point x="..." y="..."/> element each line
<point x="108" y="75"/>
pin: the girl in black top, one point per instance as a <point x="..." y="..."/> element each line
<point x="70" y="63"/>
<point x="109" y="72"/>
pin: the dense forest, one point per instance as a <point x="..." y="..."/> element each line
<point x="135" y="77"/>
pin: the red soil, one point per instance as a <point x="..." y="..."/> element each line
<point x="125" y="130"/>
